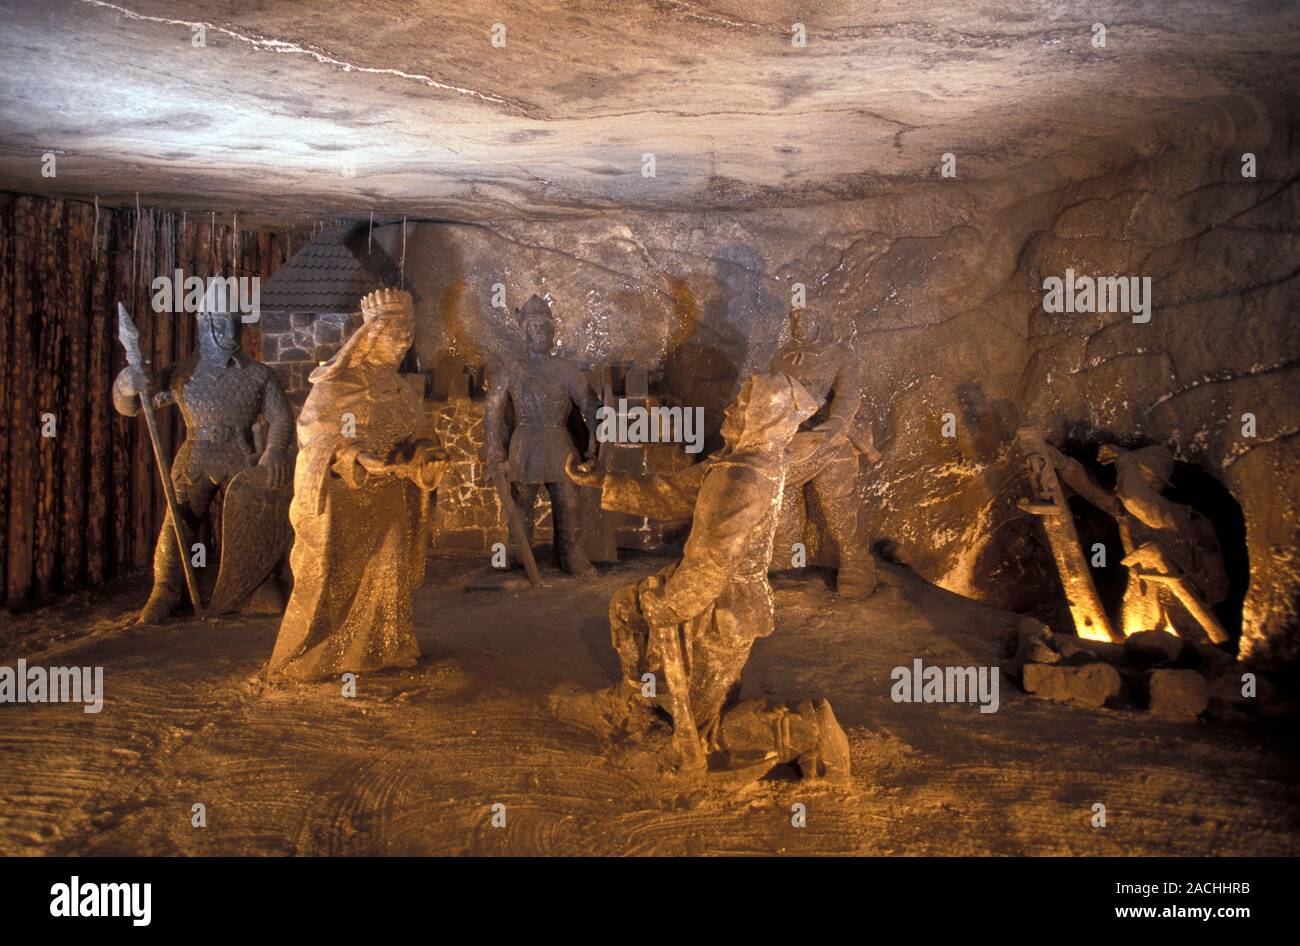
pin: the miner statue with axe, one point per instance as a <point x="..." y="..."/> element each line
<point x="222" y="394"/>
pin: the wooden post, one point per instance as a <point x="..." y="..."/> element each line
<point x="49" y="337"/>
<point x="6" y="323"/>
<point x="100" y="416"/>
<point x="73" y="430"/>
<point x="124" y="428"/>
<point x="142" y="461"/>
<point x="163" y="352"/>
<point x="23" y="429"/>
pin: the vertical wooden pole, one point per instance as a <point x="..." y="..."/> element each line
<point x="49" y="284"/>
<point x="142" y="463"/>
<point x="6" y="323"/>
<point x="100" y="416"/>
<point x="73" y="435"/>
<point x="23" y="429"/>
<point x="124" y="428"/>
<point x="163" y="353"/>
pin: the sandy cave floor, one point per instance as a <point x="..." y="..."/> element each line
<point x="505" y="708"/>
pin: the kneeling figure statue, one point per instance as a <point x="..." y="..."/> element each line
<point x="693" y="624"/>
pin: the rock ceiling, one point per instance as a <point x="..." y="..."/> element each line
<point x="290" y="110"/>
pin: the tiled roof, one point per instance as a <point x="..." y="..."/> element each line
<point x="323" y="277"/>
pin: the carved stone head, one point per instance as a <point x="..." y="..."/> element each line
<point x="767" y="412"/>
<point x="538" y="325"/>
<point x="805" y="326"/>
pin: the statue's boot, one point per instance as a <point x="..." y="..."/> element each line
<point x="832" y="747"/>
<point x="568" y="535"/>
<point x="757" y="736"/>
<point x="162" y="602"/>
<point x="578" y="565"/>
<point x="857" y="573"/>
<point x="168" y="578"/>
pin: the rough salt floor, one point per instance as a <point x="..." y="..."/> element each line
<point x="504" y="709"/>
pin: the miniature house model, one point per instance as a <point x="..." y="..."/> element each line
<point x="310" y="305"/>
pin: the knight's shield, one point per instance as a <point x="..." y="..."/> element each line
<point x="255" y="535"/>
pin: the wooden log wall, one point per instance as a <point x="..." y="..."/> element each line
<point x="85" y="504"/>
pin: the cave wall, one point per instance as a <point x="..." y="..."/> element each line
<point x="939" y="289"/>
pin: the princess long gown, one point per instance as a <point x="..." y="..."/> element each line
<point x="359" y="551"/>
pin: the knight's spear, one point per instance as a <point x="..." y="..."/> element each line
<point x="129" y="336"/>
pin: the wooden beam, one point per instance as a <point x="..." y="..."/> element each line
<point x="23" y="429"/>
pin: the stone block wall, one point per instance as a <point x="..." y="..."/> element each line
<point x="468" y="515"/>
<point x="294" y="344"/>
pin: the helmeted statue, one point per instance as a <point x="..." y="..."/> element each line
<point x="542" y="388"/>
<point x="221" y="393"/>
<point x="366" y="466"/>
<point x="824" y="454"/>
<point x="693" y="624"/>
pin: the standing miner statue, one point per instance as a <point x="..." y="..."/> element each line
<point x="222" y="393"/>
<point x="542" y="388"/>
<point x="823" y="456"/>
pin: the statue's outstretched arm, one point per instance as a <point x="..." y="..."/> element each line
<point x="580" y="392"/>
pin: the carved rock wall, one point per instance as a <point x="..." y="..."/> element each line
<point x="939" y="289"/>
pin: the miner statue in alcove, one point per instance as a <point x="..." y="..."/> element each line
<point x="1175" y="566"/>
<point x="824" y="453"/>
<point x="221" y="393"/>
<point x="542" y="388"/>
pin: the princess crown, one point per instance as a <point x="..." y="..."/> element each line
<point x="387" y="302"/>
